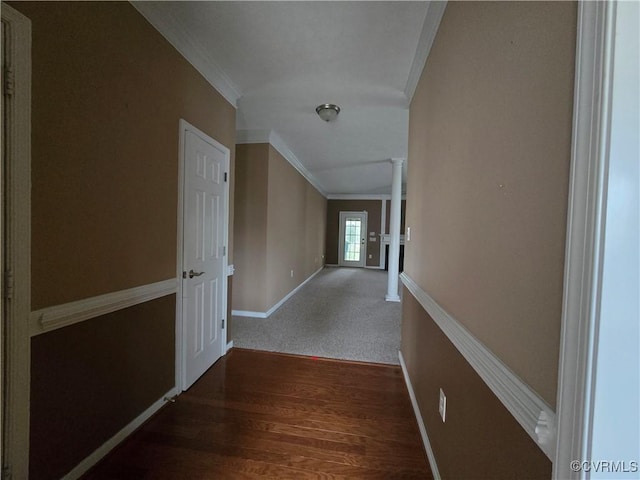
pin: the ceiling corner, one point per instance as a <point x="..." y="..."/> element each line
<point x="178" y="36"/>
<point x="252" y="136"/>
<point x="435" y="11"/>
<point x="276" y="141"/>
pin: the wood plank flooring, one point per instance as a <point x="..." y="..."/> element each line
<point x="259" y="415"/>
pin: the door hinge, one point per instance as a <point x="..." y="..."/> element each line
<point x="8" y="83"/>
<point x="223" y="323"/>
<point x="225" y="176"/>
<point x="8" y="284"/>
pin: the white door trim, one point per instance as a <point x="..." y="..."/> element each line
<point x="18" y="244"/>
<point x="180" y="337"/>
<point x="585" y="233"/>
<point x="365" y="235"/>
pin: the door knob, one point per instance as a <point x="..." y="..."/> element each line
<point x="194" y="274"/>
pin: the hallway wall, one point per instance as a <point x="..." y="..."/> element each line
<point x="108" y="92"/>
<point x="373" y="209"/>
<point x="280" y="228"/>
<point x="489" y="154"/>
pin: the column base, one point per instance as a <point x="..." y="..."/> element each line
<point x="392" y="298"/>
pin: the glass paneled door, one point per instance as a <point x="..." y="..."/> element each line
<point x="353" y="235"/>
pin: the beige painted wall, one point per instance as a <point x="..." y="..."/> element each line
<point x="480" y="438"/>
<point x="489" y="150"/>
<point x="105" y="148"/>
<point x="108" y="92"/>
<point x="252" y="167"/>
<point x="280" y="229"/>
<point x="373" y="209"/>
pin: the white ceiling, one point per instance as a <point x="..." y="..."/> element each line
<point x="278" y="60"/>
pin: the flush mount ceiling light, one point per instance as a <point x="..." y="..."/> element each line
<point x="328" y="111"/>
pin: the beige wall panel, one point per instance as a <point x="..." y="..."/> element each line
<point x="285" y="228"/>
<point x="252" y="169"/>
<point x="489" y="151"/>
<point x="108" y="92"/>
<point x="91" y="379"/>
<point x="480" y="438"/>
<point x="280" y="227"/>
<point x="373" y="209"/>
<point x="315" y="222"/>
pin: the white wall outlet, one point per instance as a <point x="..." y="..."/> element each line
<point x="408" y="239"/>
<point x="442" y="407"/>
<point x="370" y="256"/>
<point x="291" y="273"/>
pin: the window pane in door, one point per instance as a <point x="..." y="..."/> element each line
<point x="352" y="229"/>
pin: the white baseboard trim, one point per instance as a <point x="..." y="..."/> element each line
<point x="374" y="268"/>
<point x="52" y="318"/>
<point x="423" y="429"/>
<point x="248" y="313"/>
<point x="114" y="441"/>
<point x="245" y="313"/>
<point x="527" y="407"/>
<point x="331" y="265"/>
<point x="229" y="346"/>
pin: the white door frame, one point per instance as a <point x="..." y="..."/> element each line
<point x="15" y="456"/>
<point x="180" y="326"/>
<point x="586" y="227"/>
<point x="365" y="235"/>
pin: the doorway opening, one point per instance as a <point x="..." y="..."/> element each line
<point x="352" y="250"/>
<point x="202" y="254"/>
<point x="16" y="241"/>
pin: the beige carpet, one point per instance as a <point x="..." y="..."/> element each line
<point x="341" y="313"/>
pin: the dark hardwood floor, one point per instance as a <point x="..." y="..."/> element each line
<point x="265" y="415"/>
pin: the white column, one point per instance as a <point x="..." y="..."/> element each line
<point x="394" y="232"/>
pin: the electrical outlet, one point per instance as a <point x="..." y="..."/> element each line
<point x="291" y="273"/>
<point x="442" y="407"/>
<point x="370" y="256"/>
<point x="408" y="234"/>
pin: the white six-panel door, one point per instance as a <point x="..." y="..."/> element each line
<point x="204" y="251"/>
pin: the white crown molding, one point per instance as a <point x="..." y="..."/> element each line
<point x="52" y="318"/>
<point x="119" y="437"/>
<point x="357" y="196"/>
<point x="252" y="136"/>
<point x="416" y="410"/>
<point x="178" y="36"/>
<point x="527" y="407"/>
<point x="435" y="11"/>
<point x="272" y="138"/>
<point x="284" y="150"/>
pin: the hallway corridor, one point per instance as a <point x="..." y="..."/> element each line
<point x="257" y="415"/>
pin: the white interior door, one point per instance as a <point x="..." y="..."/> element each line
<point x="204" y="253"/>
<point x="353" y="235"/>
